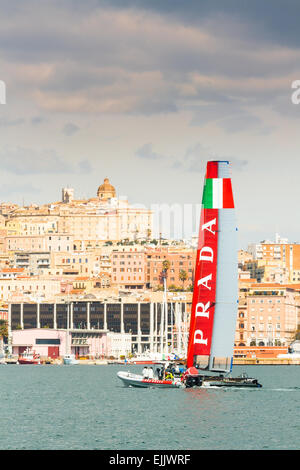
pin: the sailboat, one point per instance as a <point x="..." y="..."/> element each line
<point x="215" y="294"/>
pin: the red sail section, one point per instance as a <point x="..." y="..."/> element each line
<point x="204" y="295"/>
<point x="212" y="170"/>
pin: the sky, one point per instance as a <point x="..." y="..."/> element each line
<point x="145" y="93"/>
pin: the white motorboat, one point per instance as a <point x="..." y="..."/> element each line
<point x="70" y="360"/>
<point x="136" y="380"/>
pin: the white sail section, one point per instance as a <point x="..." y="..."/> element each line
<point x="227" y="287"/>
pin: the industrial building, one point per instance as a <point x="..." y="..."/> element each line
<point x="151" y="326"/>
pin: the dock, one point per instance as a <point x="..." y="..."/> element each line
<point x="270" y="361"/>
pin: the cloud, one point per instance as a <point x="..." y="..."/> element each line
<point x="84" y="166"/>
<point x="244" y="122"/>
<point x="36" y="120"/>
<point x="140" y="59"/>
<point x="6" y="122"/>
<point x="7" y="190"/>
<point x="146" y="152"/>
<point x="70" y="129"/>
<point x="26" y="161"/>
<point x="197" y="155"/>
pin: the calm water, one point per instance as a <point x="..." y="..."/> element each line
<point x="87" y="407"/>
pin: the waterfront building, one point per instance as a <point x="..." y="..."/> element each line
<point x="119" y="344"/>
<point x="150" y="326"/>
<point x="55" y="343"/>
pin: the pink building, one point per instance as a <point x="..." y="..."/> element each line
<point x="25" y="243"/>
<point x="56" y="343"/>
<point x="268" y="315"/>
<point x="55" y="242"/>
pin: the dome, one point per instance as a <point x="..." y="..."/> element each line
<point x="106" y="190"/>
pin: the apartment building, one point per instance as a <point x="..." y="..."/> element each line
<point x="268" y="315"/>
<point x="38" y="243"/>
<point x="181" y="261"/>
<point x="128" y="266"/>
<point x="280" y="255"/>
<point x="29" y="286"/>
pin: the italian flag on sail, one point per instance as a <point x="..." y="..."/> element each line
<point x="217" y="194"/>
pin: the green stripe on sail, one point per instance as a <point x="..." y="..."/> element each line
<point x="207" y="199"/>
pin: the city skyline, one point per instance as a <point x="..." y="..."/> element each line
<point x="146" y="94"/>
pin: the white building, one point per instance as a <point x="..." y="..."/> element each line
<point x="119" y="344"/>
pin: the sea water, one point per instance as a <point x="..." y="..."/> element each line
<point x="88" y="407"/>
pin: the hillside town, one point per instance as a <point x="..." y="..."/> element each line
<point x="89" y="272"/>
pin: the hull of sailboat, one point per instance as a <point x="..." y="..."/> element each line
<point x="231" y="383"/>
<point x="206" y="381"/>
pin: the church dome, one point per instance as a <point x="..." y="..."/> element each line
<point x="106" y="190"/>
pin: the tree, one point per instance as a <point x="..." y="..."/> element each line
<point x="164" y="273"/>
<point x="183" y="276"/>
<point x="297" y="333"/>
<point x="166" y="265"/>
<point x="3" y="329"/>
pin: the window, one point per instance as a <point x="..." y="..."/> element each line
<point x="47" y="341"/>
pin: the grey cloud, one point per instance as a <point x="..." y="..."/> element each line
<point x="207" y="113"/>
<point x="85" y="166"/>
<point x="70" y="129"/>
<point x="275" y="22"/>
<point x="244" y="122"/>
<point x="7" y="122"/>
<point x="146" y="152"/>
<point x="36" y="120"/>
<point x="140" y="57"/>
<point x="230" y="116"/>
<point x="197" y="155"/>
<point x="7" y="190"/>
<point x="26" y="161"/>
<point x="285" y="107"/>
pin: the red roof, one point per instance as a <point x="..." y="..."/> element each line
<point x="12" y="270"/>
